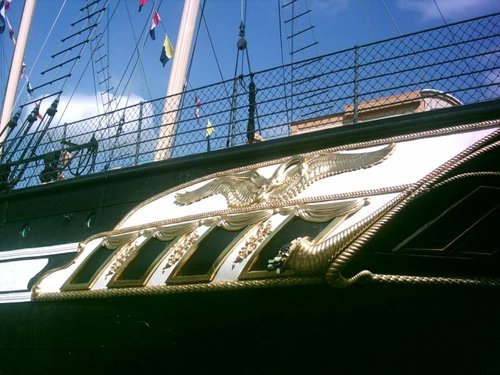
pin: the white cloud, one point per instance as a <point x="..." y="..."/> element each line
<point x="329" y="7"/>
<point x="452" y="10"/>
<point x="84" y="106"/>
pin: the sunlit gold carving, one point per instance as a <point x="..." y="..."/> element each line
<point x="290" y="178"/>
<point x="253" y="242"/>
<point x="307" y="257"/>
<point x="238" y="221"/>
<point x="322" y="212"/>
<point x="112" y="242"/>
<point x="180" y="248"/>
<point x="168" y="233"/>
<point x="122" y="255"/>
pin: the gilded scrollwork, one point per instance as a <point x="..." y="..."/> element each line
<point x="180" y="248"/>
<point x="253" y="242"/>
<point x="122" y="255"/>
<point x="249" y="188"/>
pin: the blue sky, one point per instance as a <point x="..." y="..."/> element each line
<point x="339" y="24"/>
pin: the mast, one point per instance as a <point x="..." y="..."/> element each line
<point x="15" y="67"/>
<point x="177" y="79"/>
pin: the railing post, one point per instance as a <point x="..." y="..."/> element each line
<point x="139" y="128"/>
<point x="356" y="88"/>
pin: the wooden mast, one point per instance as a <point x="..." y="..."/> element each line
<point x="177" y="80"/>
<point x="15" y="67"/>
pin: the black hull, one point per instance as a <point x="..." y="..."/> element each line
<point x="58" y="212"/>
<point x="384" y="329"/>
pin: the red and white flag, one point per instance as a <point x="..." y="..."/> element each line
<point x="156" y="20"/>
<point x="23" y="69"/>
<point x="142" y="3"/>
<point x="197" y="108"/>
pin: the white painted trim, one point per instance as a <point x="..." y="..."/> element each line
<point x="15" y="297"/>
<point x="34" y="252"/>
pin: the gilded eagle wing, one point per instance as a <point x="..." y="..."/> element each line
<point x="323" y="165"/>
<point x="239" y="190"/>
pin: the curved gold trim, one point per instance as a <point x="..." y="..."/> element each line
<point x="210" y="218"/>
<point x="334" y="273"/>
<point x="352" y="146"/>
<point x="301" y="262"/>
<point x="174" y="289"/>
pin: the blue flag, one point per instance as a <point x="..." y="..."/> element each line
<point x="167" y="51"/>
<point x="2" y="16"/>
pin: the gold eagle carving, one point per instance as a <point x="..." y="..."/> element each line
<point x="290" y="178"/>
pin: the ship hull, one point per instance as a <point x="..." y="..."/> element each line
<point x="436" y="326"/>
<point x="389" y="329"/>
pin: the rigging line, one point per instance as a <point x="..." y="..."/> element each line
<point x="368" y="23"/>
<point x="135" y="66"/>
<point x="108" y="51"/>
<point x="83" y="72"/>
<point x="141" y="65"/>
<point x="390" y="15"/>
<point x="312" y="30"/>
<point x="84" y="46"/>
<point x="93" y="73"/>
<point x="213" y="48"/>
<point x="245" y="17"/>
<point x="283" y="63"/>
<point x="41" y="49"/>
<point x="103" y="68"/>
<point x="194" y="45"/>
<point x="441" y="14"/>
<point x="138" y="57"/>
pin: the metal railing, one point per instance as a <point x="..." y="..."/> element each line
<point x="445" y="66"/>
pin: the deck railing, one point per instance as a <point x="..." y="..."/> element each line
<point x="456" y="64"/>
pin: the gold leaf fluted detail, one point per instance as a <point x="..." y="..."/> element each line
<point x="321" y="212"/>
<point x="168" y="233"/>
<point x="239" y="221"/>
<point x="112" y="242"/>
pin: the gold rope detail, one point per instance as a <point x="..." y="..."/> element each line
<point x="333" y="274"/>
<point x="263" y="206"/>
<point x="352" y="146"/>
<point x="478" y="281"/>
<point x="176" y="289"/>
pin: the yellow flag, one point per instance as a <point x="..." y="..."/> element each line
<point x="167" y="51"/>
<point x="210" y="129"/>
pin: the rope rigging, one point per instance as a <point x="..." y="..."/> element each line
<point x="31" y="134"/>
<point x="138" y="62"/>
<point x="242" y="50"/>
